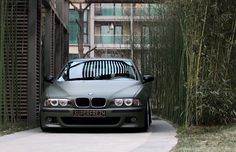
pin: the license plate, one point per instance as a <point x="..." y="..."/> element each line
<point x="89" y="113"/>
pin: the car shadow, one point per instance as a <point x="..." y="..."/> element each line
<point x="158" y="126"/>
<point x="95" y="130"/>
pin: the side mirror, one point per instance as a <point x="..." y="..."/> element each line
<point x="49" y="78"/>
<point x="147" y="78"/>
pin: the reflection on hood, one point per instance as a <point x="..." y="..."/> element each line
<point x="98" y="88"/>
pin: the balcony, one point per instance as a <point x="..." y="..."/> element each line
<point x="111" y="10"/>
<point x="126" y="11"/>
<point x="118" y="41"/>
<point x="124" y="14"/>
<point x="112" y="39"/>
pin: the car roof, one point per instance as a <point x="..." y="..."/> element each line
<point x="101" y="59"/>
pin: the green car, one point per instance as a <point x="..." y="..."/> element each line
<point x="94" y="93"/>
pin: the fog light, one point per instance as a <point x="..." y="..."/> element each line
<point x="49" y="119"/>
<point x="133" y="119"/>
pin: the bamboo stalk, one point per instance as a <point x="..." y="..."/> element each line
<point x="199" y="58"/>
<point x="232" y="39"/>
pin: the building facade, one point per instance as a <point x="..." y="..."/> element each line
<point x="114" y="29"/>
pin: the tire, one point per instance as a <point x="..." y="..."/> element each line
<point x="150" y="114"/>
<point x="44" y="129"/>
<point x="147" y="118"/>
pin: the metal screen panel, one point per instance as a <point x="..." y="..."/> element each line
<point x="16" y="48"/>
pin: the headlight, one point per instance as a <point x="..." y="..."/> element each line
<point x="63" y="102"/>
<point x="56" y="102"/>
<point x="127" y="102"/>
<point x="118" y="102"/>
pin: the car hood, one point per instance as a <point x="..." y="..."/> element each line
<point x="94" y="89"/>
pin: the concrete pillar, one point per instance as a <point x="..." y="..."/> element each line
<point x="32" y="61"/>
<point x="132" y="31"/>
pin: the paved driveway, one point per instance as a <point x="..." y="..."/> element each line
<point x="159" y="138"/>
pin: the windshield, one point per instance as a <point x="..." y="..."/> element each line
<point x="98" y="70"/>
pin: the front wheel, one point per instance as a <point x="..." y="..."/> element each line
<point x="44" y="129"/>
<point x="147" y="118"/>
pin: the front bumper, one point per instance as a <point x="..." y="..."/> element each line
<point x="132" y="117"/>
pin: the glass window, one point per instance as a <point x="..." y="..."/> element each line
<point x="73" y="15"/>
<point x="98" y="70"/>
<point x="118" y="34"/>
<point x="86" y="33"/>
<point x="106" y="34"/>
<point x="118" y="10"/>
<point x="73" y="31"/>
<point x="110" y="35"/>
<point x="107" y="9"/>
<point x="73" y="26"/>
<point x="85" y="15"/>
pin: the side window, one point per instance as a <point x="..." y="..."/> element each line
<point x="64" y="74"/>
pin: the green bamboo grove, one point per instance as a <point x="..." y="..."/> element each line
<point x="192" y="54"/>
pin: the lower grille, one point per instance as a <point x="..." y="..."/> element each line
<point x="90" y="121"/>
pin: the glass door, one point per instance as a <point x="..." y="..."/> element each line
<point x="118" y="34"/>
<point x="107" y="35"/>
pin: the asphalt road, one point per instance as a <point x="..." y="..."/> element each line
<point x="159" y="138"/>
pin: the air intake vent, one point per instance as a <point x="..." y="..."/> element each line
<point x="98" y="102"/>
<point x="90" y="121"/>
<point x="82" y="102"/>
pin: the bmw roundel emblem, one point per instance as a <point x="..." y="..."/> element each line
<point x="90" y="94"/>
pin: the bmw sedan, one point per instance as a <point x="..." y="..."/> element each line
<point x="89" y="93"/>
